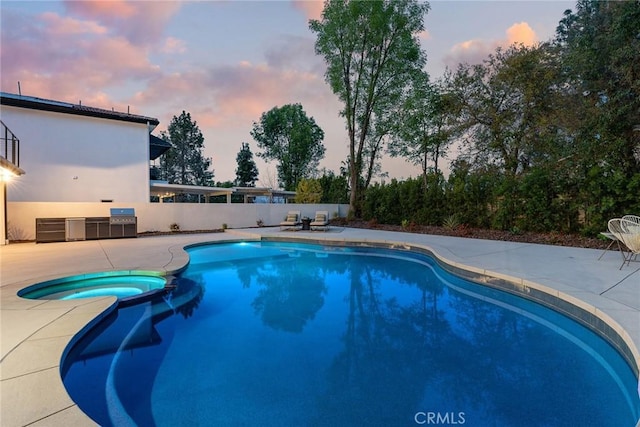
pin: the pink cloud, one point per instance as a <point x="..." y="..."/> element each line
<point x="58" y="25"/>
<point x="66" y="57"/>
<point x="72" y="66"/>
<point x="297" y="53"/>
<point x="235" y="94"/>
<point x="142" y="22"/>
<point x="113" y="9"/>
<point x="424" y="35"/>
<point x="128" y="60"/>
<point x="521" y="33"/>
<point x="312" y="9"/>
<point x="173" y="45"/>
<point x="476" y="50"/>
<point x="470" y="51"/>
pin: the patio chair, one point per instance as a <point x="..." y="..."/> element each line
<point x="628" y="233"/>
<point x="614" y="241"/>
<point x="321" y="220"/>
<point x="635" y="219"/>
<point x="291" y="221"/>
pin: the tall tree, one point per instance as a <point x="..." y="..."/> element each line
<point x="503" y="104"/>
<point x="371" y="49"/>
<point x="247" y="171"/>
<point x="427" y="126"/>
<point x="599" y="46"/>
<point x="184" y="163"/>
<point x="504" y="108"/>
<point x="287" y="135"/>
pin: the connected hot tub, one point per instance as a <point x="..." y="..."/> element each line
<point x="121" y="284"/>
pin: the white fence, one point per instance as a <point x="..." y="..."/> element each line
<point x="22" y="216"/>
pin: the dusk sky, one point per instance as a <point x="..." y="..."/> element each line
<point x="226" y="62"/>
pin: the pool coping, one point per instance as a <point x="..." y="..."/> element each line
<point x="28" y="376"/>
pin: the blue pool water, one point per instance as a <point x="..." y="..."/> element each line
<point x="97" y="285"/>
<point x="275" y="334"/>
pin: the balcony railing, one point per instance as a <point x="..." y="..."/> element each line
<point x="9" y="145"/>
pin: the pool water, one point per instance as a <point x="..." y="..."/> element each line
<point x="278" y="334"/>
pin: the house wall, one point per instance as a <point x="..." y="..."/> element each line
<point x="159" y="216"/>
<point x="71" y="158"/>
<point x="3" y="232"/>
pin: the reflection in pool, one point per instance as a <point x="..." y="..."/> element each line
<point x="290" y="334"/>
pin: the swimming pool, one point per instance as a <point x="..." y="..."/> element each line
<point x="293" y="334"/>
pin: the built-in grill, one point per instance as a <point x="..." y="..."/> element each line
<point x="123" y="222"/>
<point x="122" y="216"/>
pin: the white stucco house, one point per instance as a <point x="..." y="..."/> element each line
<point x="74" y="153"/>
<point x="67" y="153"/>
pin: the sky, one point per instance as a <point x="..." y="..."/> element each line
<point x="227" y="62"/>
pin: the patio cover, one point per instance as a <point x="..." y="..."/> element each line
<point x="265" y="192"/>
<point x="163" y="189"/>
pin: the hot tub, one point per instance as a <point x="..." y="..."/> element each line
<point x="123" y="285"/>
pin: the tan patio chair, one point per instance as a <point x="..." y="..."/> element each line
<point x="292" y="221"/>
<point x="321" y="220"/>
<point x="628" y="233"/>
<point x="635" y="219"/>
<point x="614" y="241"/>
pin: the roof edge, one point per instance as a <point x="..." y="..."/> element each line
<point x="33" y="103"/>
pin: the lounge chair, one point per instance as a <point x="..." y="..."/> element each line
<point x="627" y="232"/>
<point x="291" y="221"/>
<point x="321" y="220"/>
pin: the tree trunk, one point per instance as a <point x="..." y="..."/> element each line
<point x="354" y="208"/>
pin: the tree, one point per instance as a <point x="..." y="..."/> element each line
<point x="599" y="46"/>
<point x="308" y="191"/>
<point x="503" y="104"/>
<point x="247" y="171"/>
<point x="184" y="163"/>
<point x="506" y="108"/>
<point x="287" y="135"/>
<point x="335" y="188"/>
<point x="371" y="49"/>
<point x="427" y="127"/>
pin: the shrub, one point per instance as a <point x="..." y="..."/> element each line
<point x="451" y="222"/>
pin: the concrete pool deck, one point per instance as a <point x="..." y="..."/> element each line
<point x="35" y="333"/>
